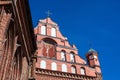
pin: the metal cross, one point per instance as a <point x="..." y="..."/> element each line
<point x="48" y="13"/>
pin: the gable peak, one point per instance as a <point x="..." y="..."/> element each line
<point x="48" y="20"/>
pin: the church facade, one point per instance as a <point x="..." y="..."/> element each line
<point x="58" y="60"/>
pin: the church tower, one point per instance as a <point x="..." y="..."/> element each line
<point x="93" y="61"/>
<point x="56" y="58"/>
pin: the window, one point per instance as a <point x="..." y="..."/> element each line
<point x="73" y="69"/>
<point x="64" y="68"/>
<point x="43" y="64"/>
<point x="82" y="70"/>
<point x="63" y="53"/>
<point x="72" y="57"/>
<point x="43" y="30"/>
<point x="54" y="66"/>
<point x="53" y="32"/>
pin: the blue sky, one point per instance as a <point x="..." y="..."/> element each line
<point x="87" y="21"/>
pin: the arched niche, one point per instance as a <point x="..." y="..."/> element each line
<point x="49" y="47"/>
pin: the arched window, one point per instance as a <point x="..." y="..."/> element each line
<point x="64" y="68"/>
<point x="53" y="32"/>
<point x="43" y="30"/>
<point x="72" y="57"/>
<point x="43" y="64"/>
<point x="73" y="69"/>
<point x="63" y="53"/>
<point x="82" y="70"/>
<point x="54" y="66"/>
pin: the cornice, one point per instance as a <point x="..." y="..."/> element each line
<point x="63" y="74"/>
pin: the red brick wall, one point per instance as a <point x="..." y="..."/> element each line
<point x="46" y="77"/>
<point x="62" y="44"/>
<point x="24" y="73"/>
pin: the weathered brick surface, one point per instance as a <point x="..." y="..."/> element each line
<point x="4" y="56"/>
<point x="24" y="73"/>
<point x="16" y="48"/>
